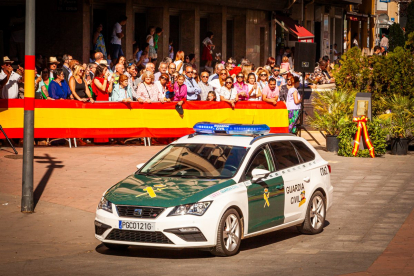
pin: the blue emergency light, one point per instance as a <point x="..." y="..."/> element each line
<point x="232" y="129"/>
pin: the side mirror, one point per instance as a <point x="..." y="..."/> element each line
<point x="139" y="166"/>
<point x="259" y="173"/>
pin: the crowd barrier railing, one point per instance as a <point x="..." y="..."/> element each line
<point x="69" y="119"/>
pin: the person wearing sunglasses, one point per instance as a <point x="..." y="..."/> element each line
<point x="58" y="88"/>
<point x="276" y="75"/>
<point x="217" y="84"/>
<point x="78" y="85"/>
<point x="204" y="85"/>
<point x="263" y="77"/>
<point x="241" y="88"/>
<point x="9" y="80"/>
<point x="228" y="93"/>
<point x="193" y="90"/>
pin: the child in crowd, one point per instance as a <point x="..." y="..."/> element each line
<point x="211" y="96"/>
<point x="285" y="63"/>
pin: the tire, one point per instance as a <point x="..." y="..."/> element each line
<point x="228" y="244"/>
<point x="113" y="246"/>
<point x="315" y="215"/>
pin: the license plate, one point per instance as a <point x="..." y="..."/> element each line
<point x="137" y="225"/>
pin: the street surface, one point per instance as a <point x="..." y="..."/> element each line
<point x="372" y="200"/>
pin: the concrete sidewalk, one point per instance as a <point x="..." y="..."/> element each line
<point x="364" y="232"/>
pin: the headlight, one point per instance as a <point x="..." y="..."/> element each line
<point x="105" y="204"/>
<point x="197" y="209"/>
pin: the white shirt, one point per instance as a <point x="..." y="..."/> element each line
<point x="178" y="62"/>
<point x="2" y="75"/>
<point x="161" y="88"/>
<point x="228" y="94"/>
<point x="254" y="93"/>
<point x="11" y="89"/>
<point x="215" y="84"/>
<point x="335" y="55"/>
<point x="384" y="42"/>
<point x="290" y="101"/>
<point x="116" y="30"/>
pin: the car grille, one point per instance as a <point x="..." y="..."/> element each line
<point x="196" y="237"/>
<point x="138" y="236"/>
<point x="100" y="228"/>
<point x="134" y="212"/>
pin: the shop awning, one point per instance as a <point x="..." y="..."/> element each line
<point x="290" y="26"/>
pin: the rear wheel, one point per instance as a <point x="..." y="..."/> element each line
<point x="315" y="215"/>
<point x="228" y="235"/>
<point x="116" y="246"/>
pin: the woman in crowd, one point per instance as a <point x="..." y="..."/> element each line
<point x="211" y="96"/>
<point x="161" y="85"/>
<point x="246" y="69"/>
<point x="217" y="84"/>
<point x="228" y="93"/>
<point x="120" y="59"/>
<point x="263" y="77"/>
<point x="208" y="47"/>
<point x="147" y="91"/>
<point x="99" y="42"/>
<point x="255" y="93"/>
<point x="180" y="91"/>
<point x="101" y="86"/>
<point x="293" y="103"/>
<point x="285" y="64"/>
<point x="144" y="59"/>
<point x="241" y="88"/>
<point x="271" y="62"/>
<point x="150" y="40"/>
<point x="196" y="77"/>
<point x="44" y="84"/>
<point x="58" y="88"/>
<point x="284" y="89"/>
<point x="122" y="92"/>
<point x="78" y="85"/>
<point x="179" y="59"/>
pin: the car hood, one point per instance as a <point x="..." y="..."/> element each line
<point x="140" y="190"/>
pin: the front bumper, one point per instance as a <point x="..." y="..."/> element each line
<point x="166" y="230"/>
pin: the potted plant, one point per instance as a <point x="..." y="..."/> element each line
<point x="399" y="122"/>
<point x="333" y="110"/>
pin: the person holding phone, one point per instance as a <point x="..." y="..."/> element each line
<point x="255" y="93"/>
<point x="102" y="84"/>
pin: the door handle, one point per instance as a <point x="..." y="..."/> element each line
<point x="306" y="179"/>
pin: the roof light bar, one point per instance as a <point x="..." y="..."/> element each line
<point x="232" y="129"/>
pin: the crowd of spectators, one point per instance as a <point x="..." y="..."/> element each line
<point x="177" y="78"/>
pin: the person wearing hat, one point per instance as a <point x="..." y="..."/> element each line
<point x="53" y="62"/>
<point x="9" y="79"/>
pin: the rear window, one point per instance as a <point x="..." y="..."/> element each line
<point x="303" y="150"/>
<point x="285" y="154"/>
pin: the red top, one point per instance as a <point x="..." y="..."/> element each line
<point x="235" y="71"/>
<point x="100" y="95"/>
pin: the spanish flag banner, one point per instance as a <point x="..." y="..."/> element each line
<point x="74" y="119"/>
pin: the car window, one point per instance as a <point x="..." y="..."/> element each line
<point x="303" y="150"/>
<point x="261" y="160"/>
<point x="196" y="161"/>
<point x="285" y="154"/>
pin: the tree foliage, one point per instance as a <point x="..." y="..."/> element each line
<point x="396" y="37"/>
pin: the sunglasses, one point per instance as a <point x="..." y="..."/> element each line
<point x="276" y="70"/>
<point x="240" y="76"/>
<point x="263" y="75"/>
<point x="223" y="74"/>
<point x="204" y="76"/>
<point x="229" y="82"/>
<point x="81" y="70"/>
<point x="189" y="72"/>
<point x="163" y="78"/>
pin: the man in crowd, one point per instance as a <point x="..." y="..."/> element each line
<point x="133" y="80"/>
<point x="53" y="62"/>
<point x="384" y="42"/>
<point x="66" y="70"/>
<point x="171" y="69"/>
<point x="150" y="67"/>
<point x="217" y="69"/>
<point x="162" y="68"/>
<point x="98" y="57"/>
<point x="204" y="85"/>
<point x="276" y="75"/>
<point x="91" y="71"/>
<point x="336" y="54"/>
<point x="117" y="36"/>
<point x="193" y="90"/>
<point x="270" y="93"/>
<point x="119" y="70"/>
<point x="39" y="62"/>
<point x="9" y="80"/>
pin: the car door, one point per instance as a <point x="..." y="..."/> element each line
<point x="265" y="196"/>
<point x="296" y="178"/>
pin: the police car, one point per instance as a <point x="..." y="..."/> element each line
<point x="213" y="188"/>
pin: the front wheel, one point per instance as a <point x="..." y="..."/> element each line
<point x="228" y="235"/>
<point x="315" y="215"/>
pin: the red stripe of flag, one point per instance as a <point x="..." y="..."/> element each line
<point x="29" y="103"/>
<point x="29" y="62"/>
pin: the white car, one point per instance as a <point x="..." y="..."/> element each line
<point x="213" y="188"/>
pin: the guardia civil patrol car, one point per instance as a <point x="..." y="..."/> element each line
<point x="213" y="188"/>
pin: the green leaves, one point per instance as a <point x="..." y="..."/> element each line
<point x="376" y="132"/>
<point x="332" y="110"/>
<point x="400" y="122"/>
<point x="396" y="37"/>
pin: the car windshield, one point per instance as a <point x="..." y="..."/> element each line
<point x="196" y="161"/>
